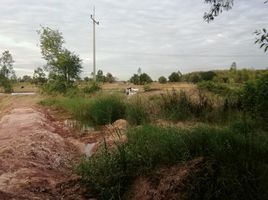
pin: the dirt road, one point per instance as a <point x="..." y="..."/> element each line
<point x="36" y="160"/>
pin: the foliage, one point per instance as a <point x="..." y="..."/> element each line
<point x="6" y="64"/>
<point x="255" y="95"/>
<point x="216" y="88"/>
<point x="217" y="6"/>
<point x="238" y="158"/>
<point x="6" y="71"/>
<point x="26" y="78"/>
<point x="110" y="78"/>
<point x="63" y="64"/>
<point x="208" y="76"/>
<point x="141" y="79"/>
<point x="262" y="39"/>
<point x="175" y="77"/>
<point x="94" y="87"/>
<point x="162" y="80"/>
<point x="39" y="76"/>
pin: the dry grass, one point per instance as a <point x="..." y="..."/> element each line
<point x="23" y="87"/>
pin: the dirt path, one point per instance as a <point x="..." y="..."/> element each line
<point x="36" y="160"/>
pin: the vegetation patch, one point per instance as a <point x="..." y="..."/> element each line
<point x="240" y="157"/>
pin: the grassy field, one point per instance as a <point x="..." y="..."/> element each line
<point x="23" y="87"/>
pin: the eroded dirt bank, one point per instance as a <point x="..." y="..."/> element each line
<point x="36" y="162"/>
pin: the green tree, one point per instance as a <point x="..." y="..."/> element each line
<point x="135" y="79"/>
<point x="141" y="79"/>
<point x="110" y="78"/>
<point x="162" y="80"/>
<point x="39" y="76"/>
<point x="175" y="77"/>
<point x="100" y="77"/>
<point x="145" y="79"/>
<point x="208" y="76"/>
<point x="6" y="64"/>
<point x="6" y="71"/>
<point x="233" y="66"/>
<point x="26" y="78"/>
<point x="62" y="64"/>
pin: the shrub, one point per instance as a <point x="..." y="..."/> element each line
<point x="216" y="88"/>
<point x="95" y="87"/>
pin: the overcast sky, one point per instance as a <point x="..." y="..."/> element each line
<point x="158" y="36"/>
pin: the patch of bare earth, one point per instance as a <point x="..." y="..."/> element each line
<point x="36" y="161"/>
<point x="170" y="183"/>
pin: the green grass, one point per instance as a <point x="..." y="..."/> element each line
<point x="95" y="111"/>
<point x="137" y="112"/>
<point x="239" y="157"/>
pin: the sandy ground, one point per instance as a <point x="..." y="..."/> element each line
<point x="36" y="160"/>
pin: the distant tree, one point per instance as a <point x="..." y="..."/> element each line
<point x="87" y="79"/>
<point x="100" y="77"/>
<point x="141" y="79"/>
<point x="174" y="77"/>
<point x="135" y="79"/>
<point x="110" y="78"/>
<point x="6" y="64"/>
<point x="162" y="80"/>
<point x="6" y="71"/>
<point x="26" y="78"/>
<point x="39" y="76"/>
<point x="195" y="78"/>
<point x="233" y="66"/>
<point x="145" y="79"/>
<point x="62" y="64"/>
<point x="139" y="71"/>
<point x="208" y="76"/>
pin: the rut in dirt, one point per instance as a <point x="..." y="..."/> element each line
<point x="36" y="162"/>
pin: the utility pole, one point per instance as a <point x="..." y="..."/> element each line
<point x="94" y="43"/>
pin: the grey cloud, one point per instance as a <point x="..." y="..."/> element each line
<point x="153" y="35"/>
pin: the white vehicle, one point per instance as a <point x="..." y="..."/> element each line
<point x="131" y="91"/>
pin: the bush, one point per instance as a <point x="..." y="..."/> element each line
<point x="240" y="162"/>
<point x="95" y="87"/>
<point x="216" y="88"/>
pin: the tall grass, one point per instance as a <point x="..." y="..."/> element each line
<point x="96" y="111"/>
<point x="106" y="109"/>
<point x="240" y="169"/>
<point x="180" y="106"/>
<point x="137" y="112"/>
